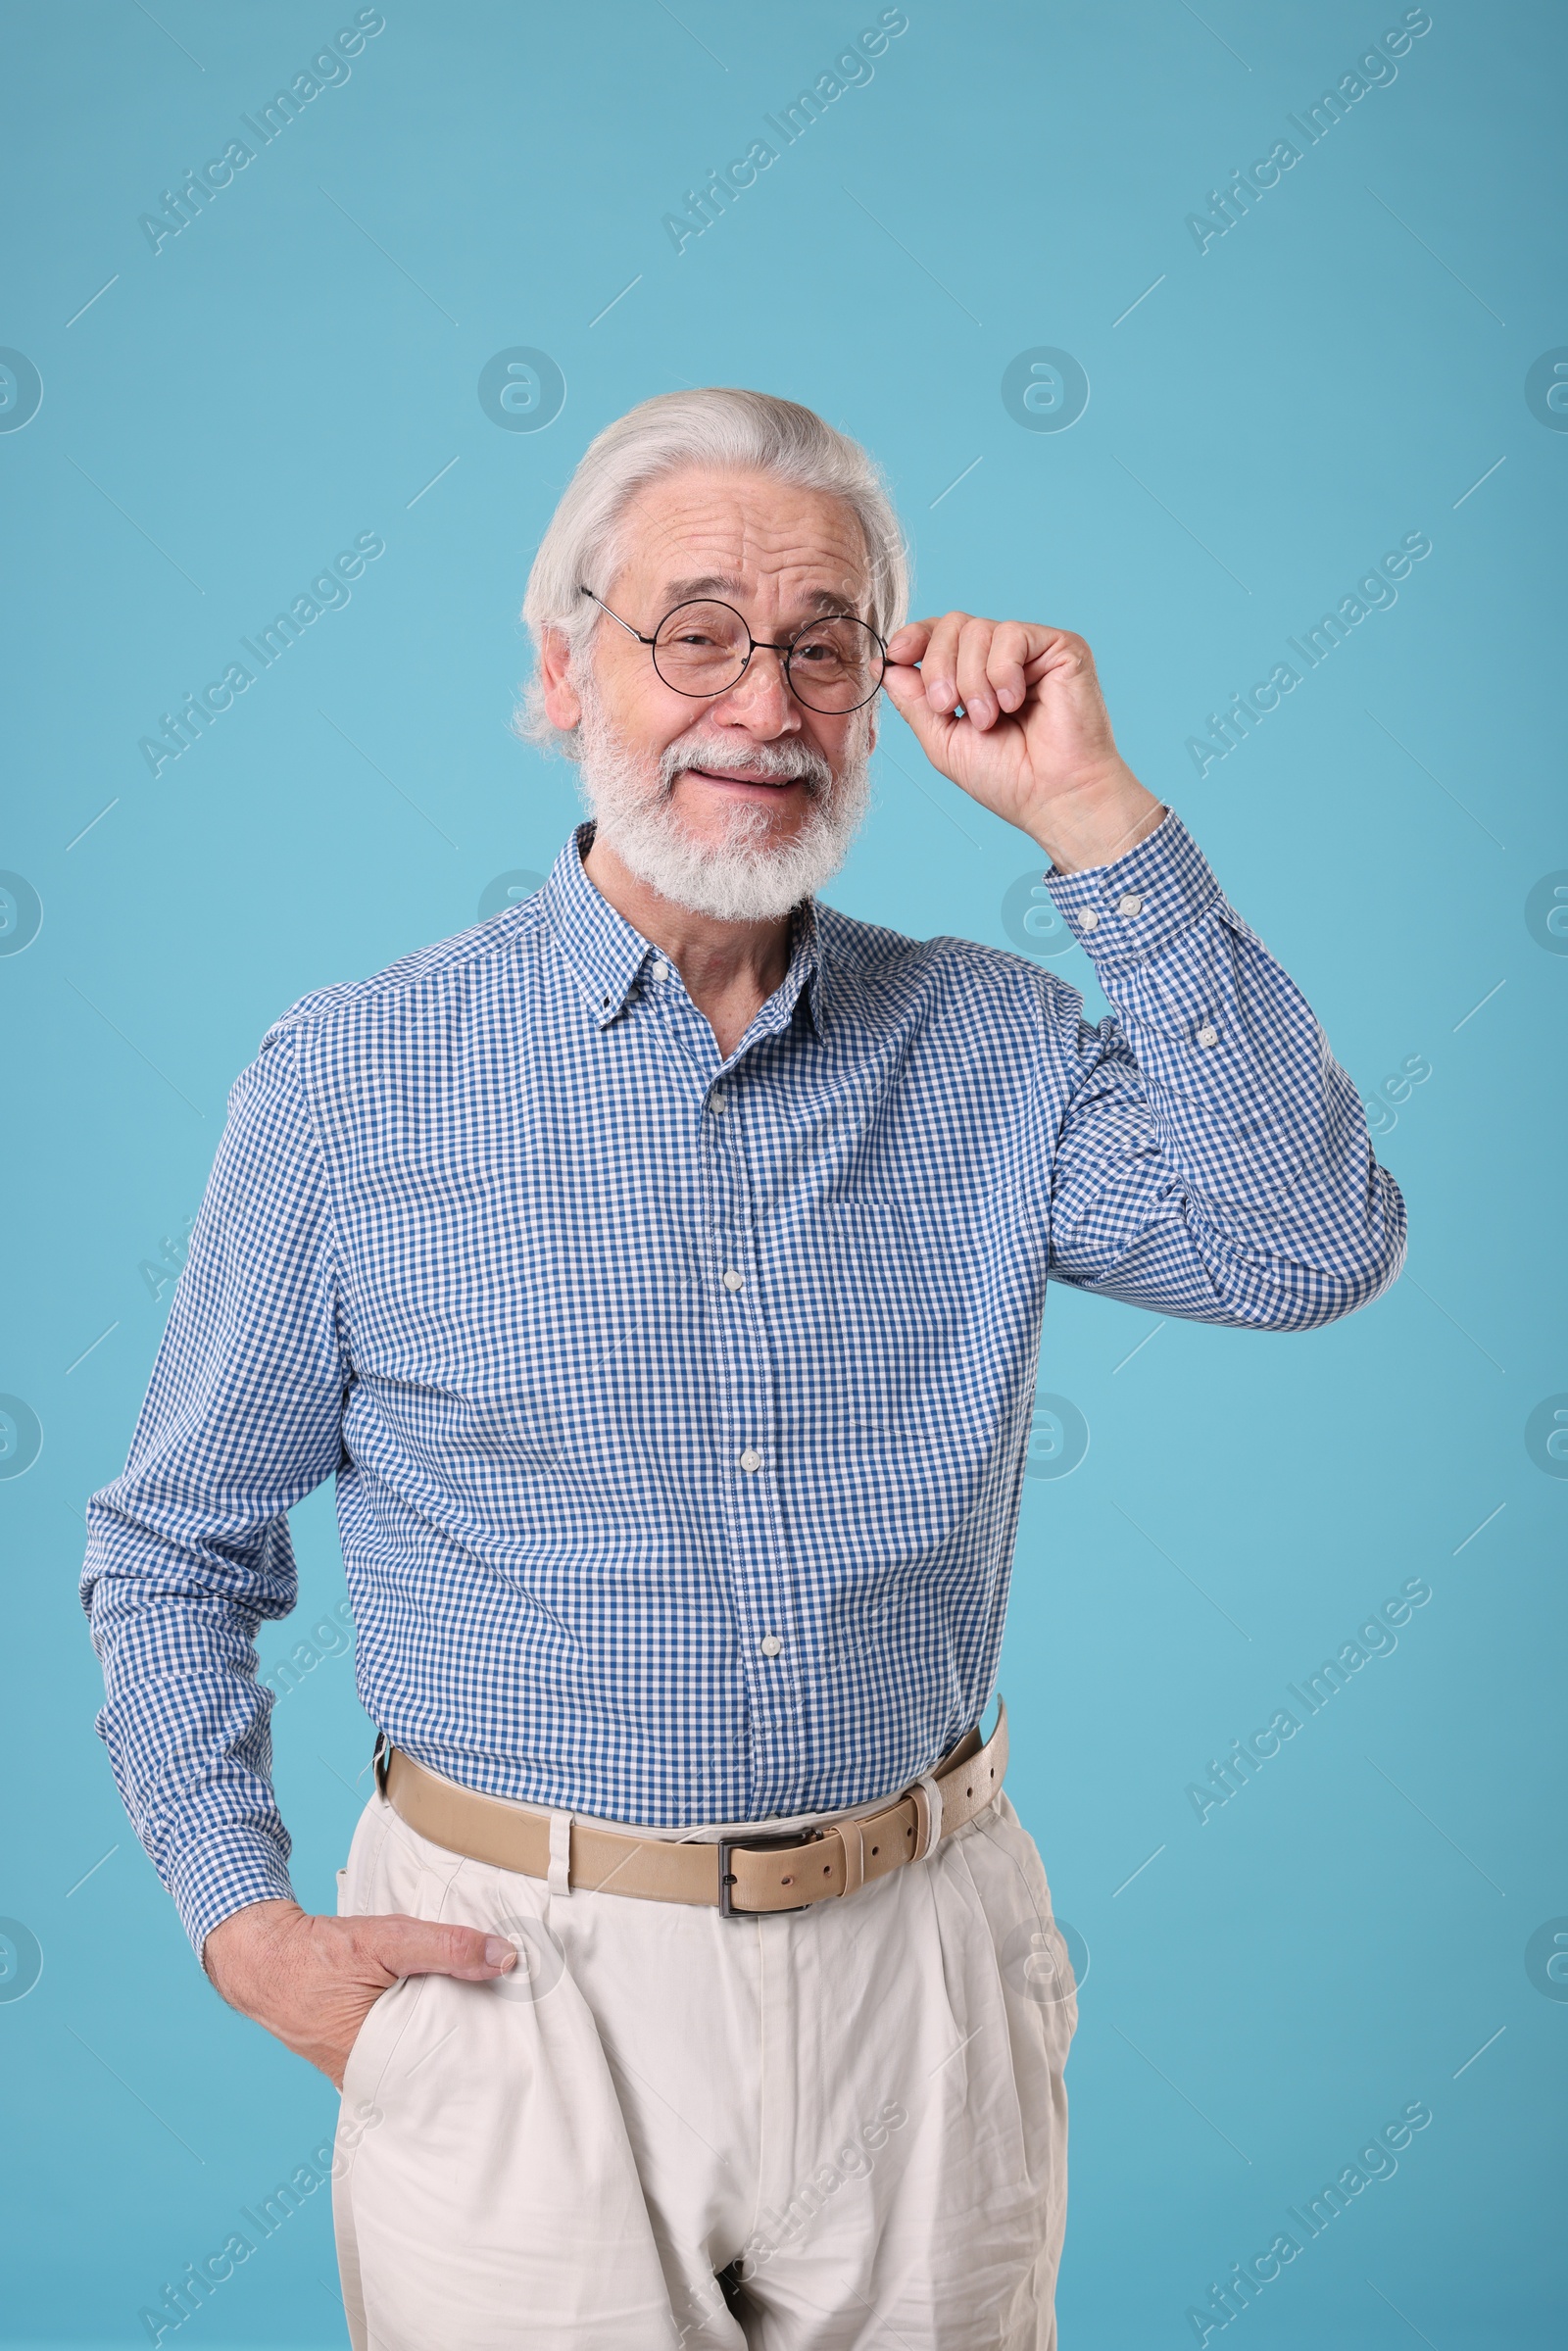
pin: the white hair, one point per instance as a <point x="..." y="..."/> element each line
<point x="721" y="430"/>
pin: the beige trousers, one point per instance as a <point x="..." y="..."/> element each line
<point x="854" y="2112"/>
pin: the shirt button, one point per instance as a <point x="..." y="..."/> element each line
<point x="750" y="1459"/>
<point x="732" y="1279"/>
<point x="715" y="1101"/>
<point x="1130" y="905"/>
<point x="662" y="971"/>
<point x="1089" y="920"/>
<point x="1207" y="1035"/>
<point x="771" y="1645"/>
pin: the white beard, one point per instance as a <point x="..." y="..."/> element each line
<point x="744" y="876"/>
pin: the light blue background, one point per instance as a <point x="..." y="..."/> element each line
<point x="1337" y="370"/>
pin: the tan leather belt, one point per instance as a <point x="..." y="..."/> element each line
<point x="738" y="1875"/>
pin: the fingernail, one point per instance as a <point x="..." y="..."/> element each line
<point x="498" y="1954"/>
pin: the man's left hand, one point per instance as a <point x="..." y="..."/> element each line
<point x="1034" y="742"/>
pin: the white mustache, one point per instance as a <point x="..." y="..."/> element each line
<point x="783" y="761"/>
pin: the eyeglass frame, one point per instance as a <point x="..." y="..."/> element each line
<point x="753" y="645"/>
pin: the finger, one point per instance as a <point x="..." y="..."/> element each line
<point x="974" y="687"/>
<point x="409" y="1946"/>
<point x="1056" y="652"/>
<point x="1005" y="664"/>
<point x="938" y="663"/>
<point x="932" y="730"/>
<point x="909" y="643"/>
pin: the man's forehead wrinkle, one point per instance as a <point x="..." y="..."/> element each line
<point x="797" y="575"/>
<point x="681" y="551"/>
<point x="728" y="586"/>
<point x="697" y="514"/>
<point x="693" y="536"/>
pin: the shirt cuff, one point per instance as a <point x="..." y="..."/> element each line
<point x="1126" y="913"/>
<point x="223" y="1873"/>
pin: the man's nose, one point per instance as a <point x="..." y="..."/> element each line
<point x="760" y="698"/>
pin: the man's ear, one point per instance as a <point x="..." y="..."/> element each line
<point x="562" y="701"/>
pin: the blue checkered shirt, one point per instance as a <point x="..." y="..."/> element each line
<point x="679" y="1405"/>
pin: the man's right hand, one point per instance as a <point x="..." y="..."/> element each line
<point x="313" y="1981"/>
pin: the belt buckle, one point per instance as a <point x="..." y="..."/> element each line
<point x="798" y="1840"/>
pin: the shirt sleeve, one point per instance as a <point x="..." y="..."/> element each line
<point x="189" y="1549"/>
<point x="1213" y="1159"/>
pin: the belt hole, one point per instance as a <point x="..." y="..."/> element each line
<point x="968" y="1791"/>
<point x="876" y="1848"/>
<point x="827" y="1869"/>
<point x="786" y="1881"/>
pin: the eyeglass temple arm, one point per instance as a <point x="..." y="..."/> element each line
<point x="615" y="617"/>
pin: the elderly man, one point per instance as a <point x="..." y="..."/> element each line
<point x="659" y="1268"/>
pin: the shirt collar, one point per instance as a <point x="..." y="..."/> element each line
<point x="610" y="955"/>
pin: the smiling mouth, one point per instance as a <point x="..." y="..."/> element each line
<point x="741" y="776"/>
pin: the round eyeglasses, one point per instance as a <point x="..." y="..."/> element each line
<point x="704" y="648"/>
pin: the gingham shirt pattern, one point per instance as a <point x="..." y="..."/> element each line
<point x="679" y="1405"/>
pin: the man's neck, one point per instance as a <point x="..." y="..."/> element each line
<point x="730" y="969"/>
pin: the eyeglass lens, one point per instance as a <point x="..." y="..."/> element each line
<point x="834" y="664"/>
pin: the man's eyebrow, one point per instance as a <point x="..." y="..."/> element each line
<point x="718" y="583"/>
